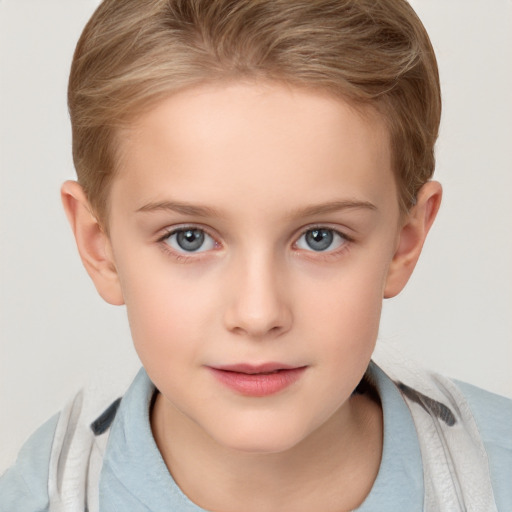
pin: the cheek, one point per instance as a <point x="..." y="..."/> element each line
<point x="348" y="326"/>
<point x="344" y="311"/>
<point x="166" y="309"/>
<point x="350" y="294"/>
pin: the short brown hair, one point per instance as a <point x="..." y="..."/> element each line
<point x="133" y="53"/>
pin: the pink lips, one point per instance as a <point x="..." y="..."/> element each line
<point x="257" y="380"/>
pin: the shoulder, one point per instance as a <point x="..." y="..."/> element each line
<point x="493" y="417"/>
<point x="58" y="460"/>
<point x="24" y="486"/>
<point x="492" y="413"/>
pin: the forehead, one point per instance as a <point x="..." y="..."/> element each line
<point x="258" y="141"/>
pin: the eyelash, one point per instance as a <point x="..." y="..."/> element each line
<point x="328" y="254"/>
<point x="183" y="257"/>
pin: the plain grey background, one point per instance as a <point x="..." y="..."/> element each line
<point x="455" y="316"/>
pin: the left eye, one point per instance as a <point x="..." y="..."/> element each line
<point x="190" y="240"/>
<point x="320" y="240"/>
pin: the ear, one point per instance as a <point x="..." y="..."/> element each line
<point x="412" y="236"/>
<point x="92" y="242"/>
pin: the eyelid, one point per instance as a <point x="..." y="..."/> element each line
<point x="328" y="252"/>
<point x="336" y="229"/>
<point x="169" y="230"/>
<point x="183" y="254"/>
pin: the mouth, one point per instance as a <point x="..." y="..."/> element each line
<point x="258" y="380"/>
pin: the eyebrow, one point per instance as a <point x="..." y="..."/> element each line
<point x="183" y="208"/>
<point x="333" y="206"/>
<point x="206" y="211"/>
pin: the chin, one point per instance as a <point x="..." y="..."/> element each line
<point x="260" y="439"/>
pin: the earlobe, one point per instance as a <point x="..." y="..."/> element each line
<point x="92" y="242"/>
<point x="412" y="237"/>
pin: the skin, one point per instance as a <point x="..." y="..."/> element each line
<point x="256" y="167"/>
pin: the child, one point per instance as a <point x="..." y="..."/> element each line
<point x="253" y="180"/>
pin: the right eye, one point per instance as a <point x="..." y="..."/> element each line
<point x="189" y="240"/>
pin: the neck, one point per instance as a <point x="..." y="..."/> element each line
<point x="332" y="469"/>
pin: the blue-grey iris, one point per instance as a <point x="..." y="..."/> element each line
<point x="319" y="239"/>
<point x="190" y="239"/>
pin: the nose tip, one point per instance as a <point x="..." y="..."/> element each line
<point x="258" y="306"/>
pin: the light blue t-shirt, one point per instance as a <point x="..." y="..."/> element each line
<point x="135" y="478"/>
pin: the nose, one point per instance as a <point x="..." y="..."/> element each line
<point x="258" y="306"/>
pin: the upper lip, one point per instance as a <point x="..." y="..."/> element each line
<point x="255" y="368"/>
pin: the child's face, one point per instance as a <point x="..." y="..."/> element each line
<point x="254" y="224"/>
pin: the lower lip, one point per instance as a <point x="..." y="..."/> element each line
<point x="258" y="384"/>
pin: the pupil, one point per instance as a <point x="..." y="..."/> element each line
<point x="190" y="240"/>
<point x="319" y="239"/>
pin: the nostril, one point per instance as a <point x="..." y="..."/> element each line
<point x="258" y="327"/>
